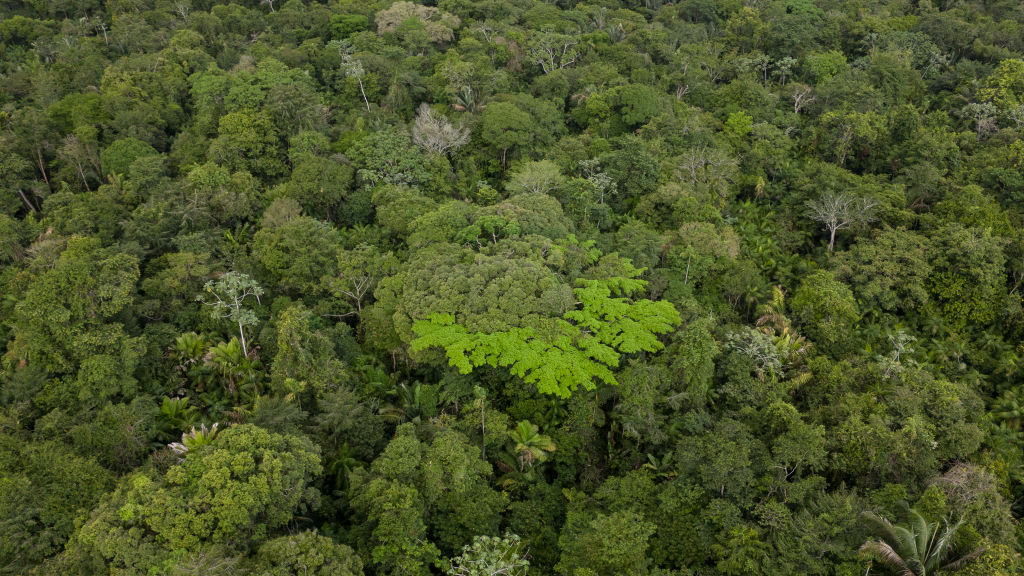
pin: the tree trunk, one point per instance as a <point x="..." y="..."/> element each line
<point x="241" y="332"/>
<point x="363" y="92"/>
<point x="42" y="169"/>
<point x="25" y="200"/>
<point x="483" y="430"/>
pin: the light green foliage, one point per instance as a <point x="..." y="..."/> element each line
<point x="585" y="345"/>
<point x="739" y="123"/>
<point x="889" y="271"/>
<point x="825" y="308"/>
<point x="306" y="553"/>
<point x="231" y="492"/>
<point x="997" y="560"/>
<point x="823" y="66"/>
<point x="64" y="325"/>
<point x="965" y="280"/>
<point x="1005" y="86"/>
<point x="227" y="300"/>
<point x="118" y="157"/>
<point x="490" y="556"/>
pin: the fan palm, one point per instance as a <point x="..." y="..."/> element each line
<point x="920" y="549"/>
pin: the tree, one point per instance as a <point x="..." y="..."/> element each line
<point x="306" y="553"/>
<point x="389" y="157"/>
<point x="298" y="254"/>
<point x="826" y="308"/>
<point x="505" y="127"/>
<point x="889" y="272"/>
<point x="439" y="26"/>
<point x="353" y="68"/>
<point x="968" y="277"/>
<point x="359" y="271"/>
<point x="248" y="141"/>
<point x="229" y="293"/>
<point x="585" y="344"/>
<point x="435" y="133"/>
<point x="305" y="354"/>
<point x="838" y="211"/>
<point x="491" y="556"/>
<point x="416" y="486"/>
<point x="553" y="51"/>
<point x="1005" y="86"/>
<point x="543" y="177"/>
<point x="229" y="493"/>
<point x="922" y="549"/>
<point x="605" y="544"/>
<point x="65" y="323"/>
<point x="118" y="157"/>
<point x="531" y="447"/>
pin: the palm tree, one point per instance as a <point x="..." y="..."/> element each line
<point x="238" y="369"/>
<point x="921" y="549"/>
<point x="194" y="439"/>
<point x="530" y="445"/>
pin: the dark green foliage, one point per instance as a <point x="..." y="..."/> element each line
<point x="519" y="288"/>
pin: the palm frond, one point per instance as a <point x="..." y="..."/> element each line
<point x="963" y="560"/>
<point x="887" y="556"/>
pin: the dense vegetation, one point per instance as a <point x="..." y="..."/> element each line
<point x="467" y="287"/>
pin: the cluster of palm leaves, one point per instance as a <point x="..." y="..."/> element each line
<point x="527" y="449"/>
<point x="217" y="370"/>
<point x="194" y="439"/>
<point x="920" y="548"/>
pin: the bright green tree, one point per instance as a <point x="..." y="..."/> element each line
<point x="584" y="345"/>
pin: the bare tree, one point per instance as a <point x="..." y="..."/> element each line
<point x="229" y="293"/>
<point x="802" y="96"/>
<point x="351" y="65"/>
<point x="837" y="211"/>
<point x="984" y="117"/>
<point x="435" y="133"/>
<point x="552" y="51"/>
<point x="710" y="167"/>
